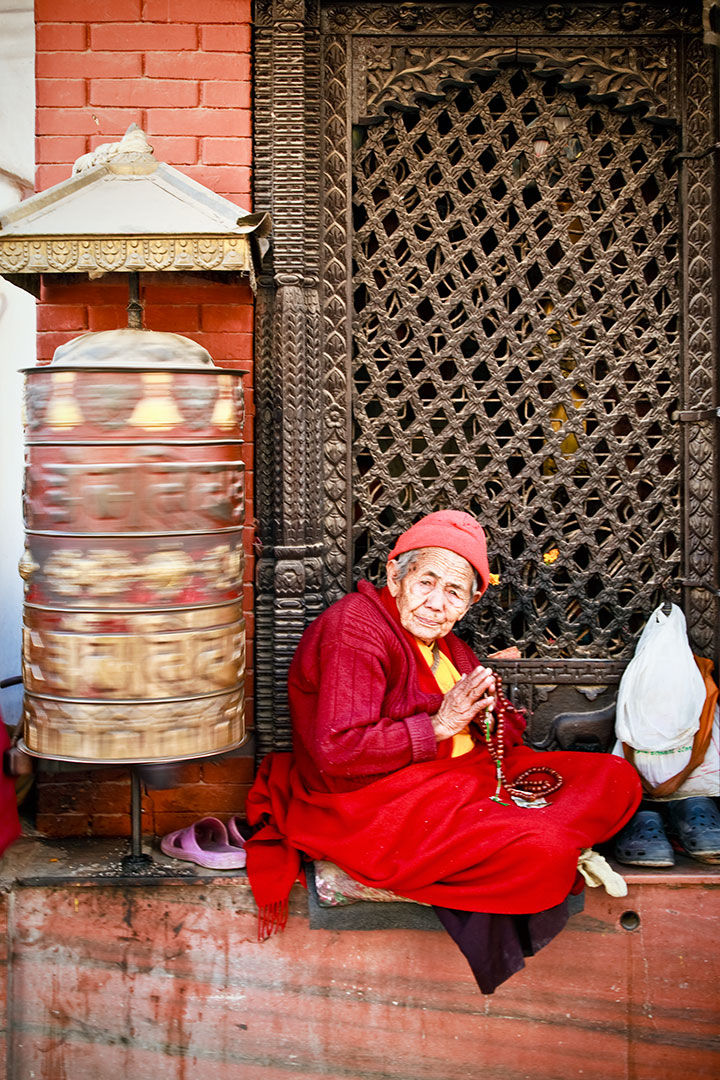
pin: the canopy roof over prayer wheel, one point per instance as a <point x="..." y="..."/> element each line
<point x="122" y="210"/>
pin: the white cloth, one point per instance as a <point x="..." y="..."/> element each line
<point x="597" y="871"/>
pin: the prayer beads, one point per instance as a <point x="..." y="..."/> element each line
<point x="532" y="785"/>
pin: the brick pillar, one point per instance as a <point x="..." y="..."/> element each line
<point x="181" y="71"/>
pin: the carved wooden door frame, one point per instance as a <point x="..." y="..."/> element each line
<point x="311" y="83"/>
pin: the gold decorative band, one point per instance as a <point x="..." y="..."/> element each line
<point x="69" y="255"/>
<point x="96" y="573"/>
<point x="134" y="732"/>
<point x="141" y="666"/>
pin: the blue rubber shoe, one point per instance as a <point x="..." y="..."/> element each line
<point x="694" y="827"/>
<point x="643" y="841"/>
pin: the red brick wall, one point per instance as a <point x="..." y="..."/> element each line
<point x="181" y="70"/>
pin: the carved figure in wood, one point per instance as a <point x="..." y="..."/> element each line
<point x="483" y="16"/>
<point x="554" y="16"/>
<point x="630" y="15"/>
<point x="409" y="16"/>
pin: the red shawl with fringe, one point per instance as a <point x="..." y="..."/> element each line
<point x="9" y="820"/>
<point x="367" y="788"/>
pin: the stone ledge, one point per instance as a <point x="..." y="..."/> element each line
<point x="35" y="860"/>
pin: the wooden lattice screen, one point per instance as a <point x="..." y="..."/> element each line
<point x="516" y="351"/>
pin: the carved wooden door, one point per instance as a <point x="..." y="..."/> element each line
<point x="510" y="225"/>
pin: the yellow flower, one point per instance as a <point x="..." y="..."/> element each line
<point x="550" y="556"/>
<point x="494" y="579"/>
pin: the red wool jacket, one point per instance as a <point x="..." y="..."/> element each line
<point x="362" y="697"/>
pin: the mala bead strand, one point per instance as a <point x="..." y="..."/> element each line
<point x="497" y="751"/>
<point x="533" y="784"/>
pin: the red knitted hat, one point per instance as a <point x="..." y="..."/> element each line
<point x="451" y="529"/>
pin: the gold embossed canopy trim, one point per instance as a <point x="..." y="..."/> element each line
<point x="121" y="210"/>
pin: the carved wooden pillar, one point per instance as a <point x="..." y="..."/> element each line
<point x="711" y="38"/>
<point x="701" y="205"/>
<point x="289" y="580"/>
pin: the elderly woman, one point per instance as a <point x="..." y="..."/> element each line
<point x="408" y="766"/>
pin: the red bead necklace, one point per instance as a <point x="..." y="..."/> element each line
<point x="532" y="785"/>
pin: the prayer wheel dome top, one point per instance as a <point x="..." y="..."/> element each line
<point x="128" y="348"/>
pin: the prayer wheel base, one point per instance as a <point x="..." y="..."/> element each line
<point x="22" y="745"/>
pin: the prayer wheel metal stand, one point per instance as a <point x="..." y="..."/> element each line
<point x="134" y="637"/>
<point x="137" y="861"/>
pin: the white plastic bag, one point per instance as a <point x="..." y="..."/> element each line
<point x="661" y="697"/>
<point x="705" y="780"/>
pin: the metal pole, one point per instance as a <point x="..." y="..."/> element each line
<point x="134" y="308"/>
<point x="136" y="861"/>
<point x="136" y="813"/>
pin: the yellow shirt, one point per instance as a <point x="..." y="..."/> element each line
<point x="446" y="675"/>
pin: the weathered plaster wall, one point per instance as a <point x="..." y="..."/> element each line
<point x="181" y="70"/>
<point x="17" y="350"/>
<point x="17" y="92"/>
<point x="17" y="325"/>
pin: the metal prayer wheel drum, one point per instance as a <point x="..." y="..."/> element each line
<point x="133" y="637"/>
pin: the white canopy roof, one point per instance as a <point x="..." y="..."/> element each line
<point x="123" y="210"/>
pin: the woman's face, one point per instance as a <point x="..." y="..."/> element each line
<point x="435" y="592"/>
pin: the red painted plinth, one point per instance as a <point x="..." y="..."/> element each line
<point x="166" y="979"/>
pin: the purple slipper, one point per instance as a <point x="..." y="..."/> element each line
<point x="205" y="843"/>
<point x="233" y="829"/>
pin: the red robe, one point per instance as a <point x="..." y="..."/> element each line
<point x="368" y="787"/>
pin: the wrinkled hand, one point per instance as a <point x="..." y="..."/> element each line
<point x="473" y="694"/>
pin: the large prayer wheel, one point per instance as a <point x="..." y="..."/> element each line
<point x="134" y="638"/>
